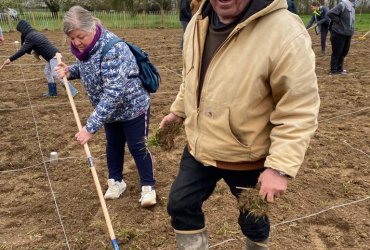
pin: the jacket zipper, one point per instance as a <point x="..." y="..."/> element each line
<point x="204" y="81"/>
<point x="210" y="64"/>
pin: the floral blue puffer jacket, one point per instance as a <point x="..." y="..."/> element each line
<point x="113" y="86"/>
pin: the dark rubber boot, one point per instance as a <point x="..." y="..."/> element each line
<point x="52" y="89"/>
<point x="192" y="240"/>
<point x="252" y="245"/>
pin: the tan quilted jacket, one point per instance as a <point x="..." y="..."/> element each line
<point x="260" y="95"/>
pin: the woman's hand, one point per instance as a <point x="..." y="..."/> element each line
<point x="7" y="61"/>
<point x="62" y="70"/>
<point x="83" y="136"/>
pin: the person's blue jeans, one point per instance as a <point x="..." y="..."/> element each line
<point x="196" y="182"/>
<point x="324" y="28"/>
<point x="50" y="74"/>
<point x="135" y="133"/>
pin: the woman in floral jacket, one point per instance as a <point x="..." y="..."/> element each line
<point x="121" y="103"/>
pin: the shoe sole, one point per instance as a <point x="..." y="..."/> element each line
<point x="113" y="197"/>
<point x="148" y="204"/>
<point x="110" y="198"/>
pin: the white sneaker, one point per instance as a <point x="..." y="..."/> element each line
<point x="148" y="196"/>
<point x="115" y="189"/>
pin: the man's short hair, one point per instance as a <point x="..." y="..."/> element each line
<point x="315" y="4"/>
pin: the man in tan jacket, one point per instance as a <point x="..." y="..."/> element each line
<point x="249" y="102"/>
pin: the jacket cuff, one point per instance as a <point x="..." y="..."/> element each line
<point x="91" y="128"/>
<point x="289" y="171"/>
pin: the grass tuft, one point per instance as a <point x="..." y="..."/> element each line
<point x="250" y="201"/>
<point x="165" y="137"/>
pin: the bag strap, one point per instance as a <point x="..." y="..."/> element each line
<point x="108" y="46"/>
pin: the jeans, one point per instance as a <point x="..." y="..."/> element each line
<point x="340" y="46"/>
<point x="134" y="132"/>
<point x="323" y="34"/>
<point x="195" y="183"/>
<point x="49" y="71"/>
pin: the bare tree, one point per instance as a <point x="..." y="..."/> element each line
<point x="54" y="7"/>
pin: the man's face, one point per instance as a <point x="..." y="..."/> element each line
<point x="228" y="10"/>
<point x="314" y="8"/>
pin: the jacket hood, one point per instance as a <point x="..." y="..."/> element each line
<point x="349" y="5"/>
<point x="24" y="27"/>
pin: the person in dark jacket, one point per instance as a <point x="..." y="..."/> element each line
<point x="342" y="28"/>
<point x="36" y="43"/>
<point x="321" y="22"/>
<point x="291" y="6"/>
<point x="184" y="15"/>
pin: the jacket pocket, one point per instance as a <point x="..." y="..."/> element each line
<point x="217" y="140"/>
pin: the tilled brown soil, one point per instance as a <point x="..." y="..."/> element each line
<point x="44" y="206"/>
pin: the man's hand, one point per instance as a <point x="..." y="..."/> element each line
<point x="83" y="136"/>
<point x="170" y="118"/>
<point x="2" y="39"/>
<point x="272" y="184"/>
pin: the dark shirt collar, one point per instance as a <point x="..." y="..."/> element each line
<point x="253" y="7"/>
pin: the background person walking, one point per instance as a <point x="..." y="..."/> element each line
<point x="321" y="21"/>
<point x="342" y="28"/>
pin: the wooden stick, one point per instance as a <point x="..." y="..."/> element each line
<point x="91" y="163"/>
<point x="363" y="37"/>
<point x="312" y="27"/>
<point x="2" y="66"/>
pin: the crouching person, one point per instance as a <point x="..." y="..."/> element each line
<point x="37" y="43"/>
<point x="249" y="106"/>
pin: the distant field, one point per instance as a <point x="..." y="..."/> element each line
<point x="44" y="20"/>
